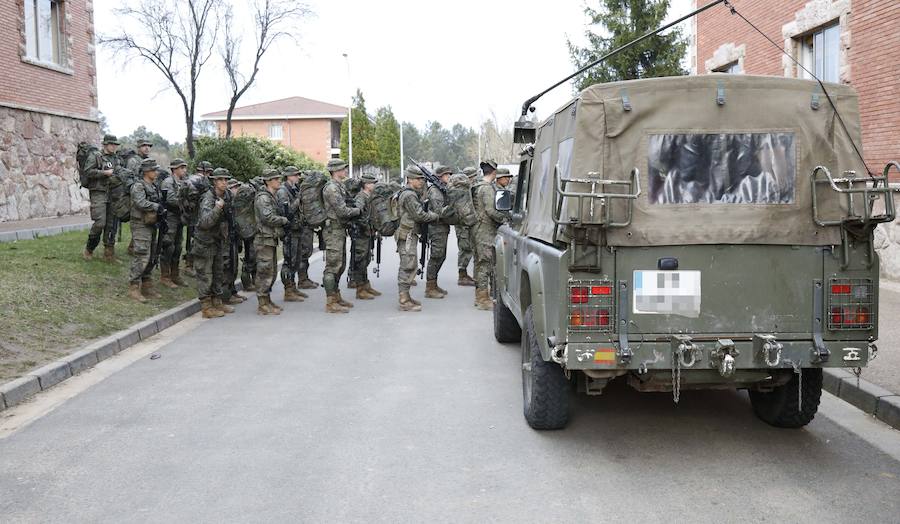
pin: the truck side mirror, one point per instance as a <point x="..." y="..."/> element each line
<point x="503" y="200"/>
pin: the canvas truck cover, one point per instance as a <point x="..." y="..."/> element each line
<point x="722" y="159"/>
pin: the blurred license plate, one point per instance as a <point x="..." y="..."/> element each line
<point x="667" y="293"/>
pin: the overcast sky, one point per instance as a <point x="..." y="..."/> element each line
<point x="446" y="61"/>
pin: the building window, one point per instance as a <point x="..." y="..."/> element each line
<point x="336" y="134"/>
<point x="733" y="68"/>
<point x="820" y="53"/>
<point x="276" y="131"/>
<point x="45" y="39"/>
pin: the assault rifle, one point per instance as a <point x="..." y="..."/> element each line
<point x="431" y="177"/>
<point x="423" y="240"/>
<point x="160" y="228"/>
<point x="288" y="265"/>
<point x="377" y="241"/>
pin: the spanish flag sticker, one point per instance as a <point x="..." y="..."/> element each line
<point x="605" y="356"/>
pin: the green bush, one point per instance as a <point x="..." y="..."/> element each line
<point x="246" y="156"/>
<point x="236" y="155"/>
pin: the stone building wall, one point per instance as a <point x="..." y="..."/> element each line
<point x="37" y="164"/>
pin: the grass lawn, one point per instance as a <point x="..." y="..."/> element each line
<point x="53" y="302"/>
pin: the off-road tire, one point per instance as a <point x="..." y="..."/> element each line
<point x="779" y="406"/>
<point x="506" y="327"/>
<point x="545" y="389"/>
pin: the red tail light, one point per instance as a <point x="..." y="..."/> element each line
<point x="601" y="290"/>
<point x="579" y="295"/>
<point x="840" y="289"/>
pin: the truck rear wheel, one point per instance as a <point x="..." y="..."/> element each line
<point x="782" y="408"/>
<point x="545" y="388"/>
<point x="506" y="327"/>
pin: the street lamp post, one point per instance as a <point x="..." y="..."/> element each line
<point x="401" y="153"/>
<point x="350" y="115"/>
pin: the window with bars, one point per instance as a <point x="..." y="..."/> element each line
<point x="45" y="39"/>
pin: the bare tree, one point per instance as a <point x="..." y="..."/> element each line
<point x="178" y="38"/>
<point x="275" y="19"/>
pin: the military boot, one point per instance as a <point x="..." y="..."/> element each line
<point x="440" y="289"/>
<point x="343" y="302"/>
<point x="352" y="284"/>
<point x="363" y="294"/>
<point x="109" y="254"/>
<point x="234" y="300"/>
<point x="208" y="310"/>
<point x="483" y="300"/>
<point x="291" y="294"/>
<point x="332" y="305"/>
<point x="431" y="290"/>
<point x="414" y="301"/>
<point x="87" y="254"/>
<point x="189" y="268"/>
<point x="372" y="290"/>
<point x="148" y="290"/>
<point x="266" y="307"/>
<point x="414" y="283"/>
<point x="175" y="275"/>
<point x="134" y="292"/>
<point x="465" y="279"/>
<point x="165" y="277"/>
<point x="221" y="306"/>
<point x="300" y="293"/>
<point x="407" y="303"/>
<point x="273" y="305"/>
<point x="306" y="283"/>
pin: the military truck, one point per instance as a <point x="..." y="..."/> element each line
<point x="704" y="232"/>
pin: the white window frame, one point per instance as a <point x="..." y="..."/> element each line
<point x="815" y="49"/>
<point x="276" y="131"/>
<point x="46" y="41"/>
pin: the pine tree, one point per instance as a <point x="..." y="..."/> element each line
<point x="364" y="151"/>
<point x="621" y="21"/>
<point x="387" y="139"/>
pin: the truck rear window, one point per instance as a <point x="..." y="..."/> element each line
<point x="734" y="168"/>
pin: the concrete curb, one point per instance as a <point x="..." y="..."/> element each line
<point x="31" y="234"/>
<point x="874" y="400"/>
<point x="19" y="390"/>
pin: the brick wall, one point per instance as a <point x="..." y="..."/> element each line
<point x="872" y="53"/>
<point x="69" y="90"/>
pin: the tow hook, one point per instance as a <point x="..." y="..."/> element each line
<point x="683" y="347"/>
<point x="723" y="357"/>
<point x="560" y="352"/>
<point x="873" y="349"/>
<point x="768" y="347"/>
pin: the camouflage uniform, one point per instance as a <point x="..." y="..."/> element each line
<point x="197" y="184"/>
<point x="464" y="238"/>
<point x="334" y="195"/>
<point x="288" y="198"/>
<point x="209" y="240"/>
<point x="361" y="235"/>
<point x="412" y="215"/>
<point x="98" y="184"/>
<point x="146" y="207"/>
<point x="174" y="189"/>
<point x="269" y="228"/>
<point x="489" y="219"/>
<point x="244" y="205"/>
<point x="438" y="233"/>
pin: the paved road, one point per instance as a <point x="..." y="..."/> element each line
<point x="381" y="416"/>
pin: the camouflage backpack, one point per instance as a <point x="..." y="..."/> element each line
<point x="385" y="218"/>
<point x="84" y="152"/>
<point x="244" y="203"/>
<point x="311" y="198"/>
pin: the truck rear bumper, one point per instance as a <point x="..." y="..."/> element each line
<point x="709" y="352"/>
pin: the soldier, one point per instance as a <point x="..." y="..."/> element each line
<point x="173" y="188"/>
<point x="245" y="217"/>
<point x="306" y="250"/>
<point x="207" y="249"/>
<point x="438" y="232"/>
<point x="463" y="208"/>
<point x="269" y="228"/>
<point x="412" y="215"/>
<point x="197" y="184"/>
<point x="99" y="171"/>
<point x="147" y="209"/>
<point x="288" y="197"/>
<point x="489" y="219"/>
<point x="334" y="196"/>
<point x="133" y="164"/>
<point x="361" y="235"/>
<point x="236" y="203"/>
<point x="464" y="239"/>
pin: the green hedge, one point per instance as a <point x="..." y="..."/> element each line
<point x="246" y="156"/>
